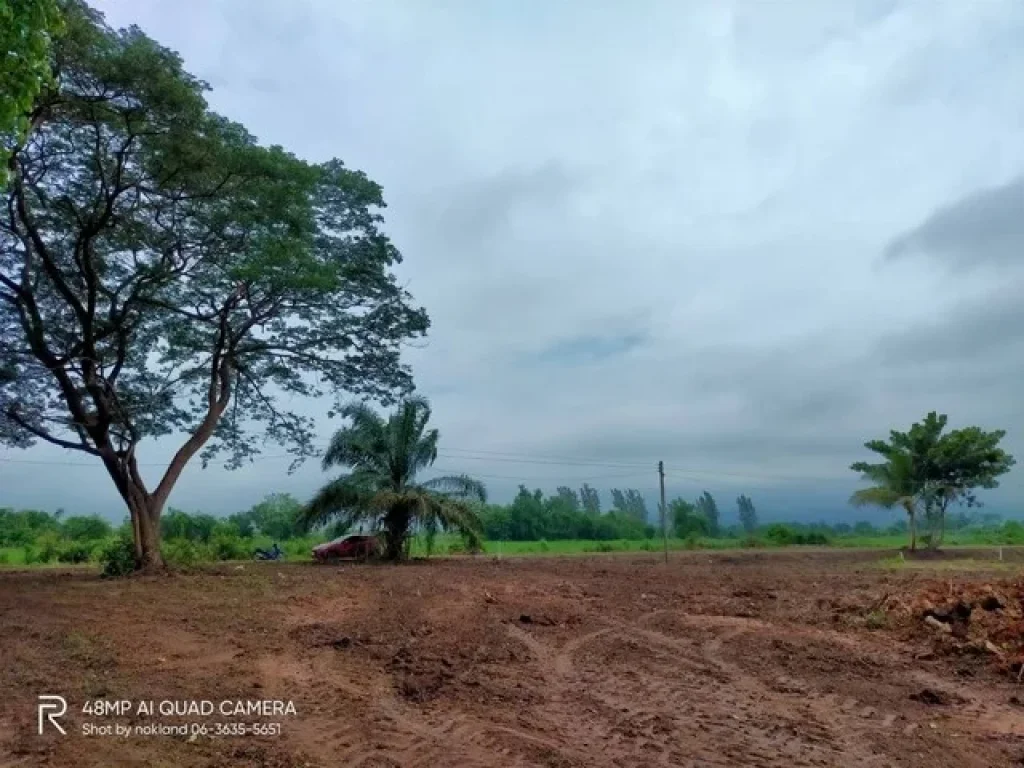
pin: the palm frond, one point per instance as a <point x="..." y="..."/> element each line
<point x="457" y="515"/>
<point x="875" y="497"/>
<point x="458" y="487"/>
<point x="361" y="444"/>
<point x="345" y="499"/>
<point x="411" y="449"/>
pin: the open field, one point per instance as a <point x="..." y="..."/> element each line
<point x="762" y="658"/>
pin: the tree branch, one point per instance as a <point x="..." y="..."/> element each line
<point x="42" y="434"/>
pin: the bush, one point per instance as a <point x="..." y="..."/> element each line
<point x="75" y="552"/>
<point x="1012" y="533"/>
<point x="228" y="547"/>
<point x="181" y="552"/>
<point x="48" y="547"/>
<point x="118" y="558"/>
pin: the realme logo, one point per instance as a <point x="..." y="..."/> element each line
<point x="50" y="708"/>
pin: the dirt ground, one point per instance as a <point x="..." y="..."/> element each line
<point x="753" y="659"/>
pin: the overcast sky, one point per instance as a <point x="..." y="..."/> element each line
<point x="741" y="237"/>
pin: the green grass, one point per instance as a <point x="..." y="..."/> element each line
<point x="298" y="549"/>
<point x="957" y="565"/>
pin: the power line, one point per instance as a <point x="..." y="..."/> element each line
<point x="536" y="457"/>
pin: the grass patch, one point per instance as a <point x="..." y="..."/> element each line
<point x="952" y="565"/>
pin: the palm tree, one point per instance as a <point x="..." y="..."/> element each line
<point x="383" y="457"/>
<point x="895" y="485"/>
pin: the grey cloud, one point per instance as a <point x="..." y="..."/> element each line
<point x="986" y="227"/>
<point x="968" y="333"/>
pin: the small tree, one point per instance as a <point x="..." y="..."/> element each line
<point x="384" y="457"/>
<point x="748" y="515"/>
<point x="686" y="519"/>
<point x="163" y="274"/>
<point x="277" y="516"/>
<point x="925" y="468"/>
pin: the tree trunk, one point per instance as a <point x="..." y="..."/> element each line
<point x="913" y="530"/>
<point x="396" y="531"/>
<point x="145" y="512"/>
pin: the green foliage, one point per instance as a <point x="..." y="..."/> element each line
<point x="241" y="524"/>
<point x="569" y="497"/>
<point x="91" y="528"/>
<point x="27" y="29"/>
<point x="48" y="547"/>
<point x="118" y="558"/>
<point x="75" y="552"/>
<point x="177" y="524"/>
<point x="784" y="535"/>
<point x="590" y="500"/>
<point x="532" y="517"/>
<point x="687" y="520"/>
<point x="381" y="490"/>
<point x="181" y="552"/>
<point x="277" y="516"/>
<point x="228" y="547"/>
<point x="629" y="502"/>
<point x="25" y="526"/>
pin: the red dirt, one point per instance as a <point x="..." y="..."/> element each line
<point x="760" y="659"/>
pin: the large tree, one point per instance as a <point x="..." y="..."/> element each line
<point x="27" y="28"/>
<point x="161" y="274"/>
<point x="383" y="458"/>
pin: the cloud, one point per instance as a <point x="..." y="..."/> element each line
<point x="985" y="228"/>
<point x="651" y="236"/>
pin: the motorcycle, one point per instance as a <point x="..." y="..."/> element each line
<point x="274" y="553"/>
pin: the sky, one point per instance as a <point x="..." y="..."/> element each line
<point x="741" y="238"/>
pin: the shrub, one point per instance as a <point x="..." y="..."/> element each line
<point x="48" y="547"/>
<point x="692" y="540"/>
<point x="181" y="552"/>
<point x="1012" y="533"/>
<point x="75" y="552"/>
<point x="227" y="547"/>
<point x="118" y="557"/>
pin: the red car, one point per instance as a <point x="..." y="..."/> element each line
<point x="352" y="546"/>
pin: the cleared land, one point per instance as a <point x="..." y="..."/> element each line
<point x="719" y="659"/>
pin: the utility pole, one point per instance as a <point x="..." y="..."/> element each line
<point x="664" y="528"/>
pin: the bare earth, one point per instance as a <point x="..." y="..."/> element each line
<point x="754" y="659"/>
